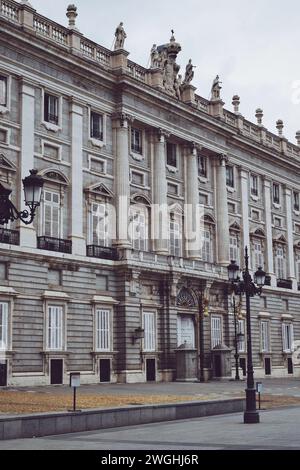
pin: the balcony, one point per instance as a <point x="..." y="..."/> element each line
<point x="268" y="281"/>
<point x="11" y="237"/>
<point x="54" y="244"/>
<point x="103" y="252"/>
<point x="284" y="283"/>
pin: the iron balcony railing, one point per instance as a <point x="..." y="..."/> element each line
<point x="11" y="237"/>
<point x="103" y="252"/>
<point x="54" y="244"/>
<point x="284" y="283"/>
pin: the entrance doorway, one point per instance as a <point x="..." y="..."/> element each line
<point x="290" y="365"/>
<point x="56" y="371"/>
<point x="150" y="370"/>
<point x="104" y="366"/>
<point x="3" y="373"/>
<point x="217" y="366"/>
<point x="267" y="365"/>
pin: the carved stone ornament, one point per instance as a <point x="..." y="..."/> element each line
<point x="185" y="298"/>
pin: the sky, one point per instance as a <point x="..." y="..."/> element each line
<point x="253" y="45"/>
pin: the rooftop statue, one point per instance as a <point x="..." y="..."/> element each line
<point x="216" y="89"/>
<point x="120" y="36"/>
<point x="155" y="57"/>
<point x="189" y="73"/>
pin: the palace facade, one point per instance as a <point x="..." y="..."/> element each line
<point x="114" y="141"/>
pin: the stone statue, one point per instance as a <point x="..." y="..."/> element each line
<point x="120" y="36"/>
<point x="216" y="89"/>
<point x="189" y="73"/>
<point x="155" y="58"/>
<point x="177" y="86"/>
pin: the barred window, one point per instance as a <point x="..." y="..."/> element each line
<point x="103" y="330"/>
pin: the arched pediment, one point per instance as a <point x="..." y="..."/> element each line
<point x="209" y="219"/>
<point x="54" y="175"/>
<point x="185" y="298"/>
<point x="100" y="189"/>
<point x="258" y="232"/>
<point x="140" y="198"/>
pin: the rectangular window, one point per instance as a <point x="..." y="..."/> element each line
<point x="173" y="189"/>
<point x="277" y="222"/>
<point x="265" y="336"/>
<point x="3" y="326"/>
<point x="297" y="228"/>
<point x="203" y="199"/>
<point x="254" y="185"/>
<point x="298" y="271"/>
<point x="99" y="224"/>
<point x="138" y="178"/>
<point x="171" y="155"/>
<point x="51" y="151"/>
<point x="296" y="201"/>
<point x="231" y="208"/>
<point x="258" y="255"/>
<point x="51" y="226"/>
<point x="207" y="251"/>
<point x="55" y="328"/>
<point x="276" y="193"/>
<point x="216" y="331"/>
<point x="175" y="238"/>
<point x="149" y="328"/>
<point x="202" y="166"/>
<point x="255" y="215"/>
<point x="241" y="336"/>
<point x="98" y="166"/>
<point x="229" y="176"/>
<point x="3" y="136"/>
<point x="103" y="330"/>
<point x="139" y="229"/>
<point x="185" y="330"/>
<point x="136" y="141"/>
<point x="96" y="126"/>
<point x="287" y="337"/>
<point x="3" y="91"/>
<point x="51" y="109"/>
<point x="280" y="263"/>
<point x="233" y="248"/>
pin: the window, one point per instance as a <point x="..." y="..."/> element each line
<point x="96" y="126"/>
<point x="277" y="222"/>
<point x="138" y="178"/>
<point x="99" y="224"/>
<point x="149" y="331"/>
<point x="296" y="201"/>
<point x="265" y="336"/>
<point x="231" y="208"/>
<point x="258" y="258"/>
<point x="55" y="328"/>
<point x="175" y="238"/>
<point x="139" y="228"/>
<point x="3" y="326"/>
<point x="185" y="330"/>
<point x="216" y="331"/>
<point x="202" y="166"/>
<point x="97" y="165"/>
<point x="240" y="332"/>
<point x="51" y="225"/>
<point x="172" y="189"/>
<point x="136" y="141"/>
<point x="103" y="330"/>
<point x="203" y="199"/>
<point x="3" y="135"/>
<point x="229" y="176"/>
<point x="234" y="248"/>
<point x="254" y="185"/>
<point x="3" y="91"/>
<point x="207" y="246"/>
<point x="279" y="262"/>
<point x="51" y="109"/>
<point x="287" y="337"/>
<point x="51" y="151"/>
<point x="171" y="155"/>
<point x="297" y="228"/>
<point x="276" y="193"/>
<point x="298" y="270"/>
<point x="255" y="215"/>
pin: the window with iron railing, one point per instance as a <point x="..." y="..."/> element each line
<point x="171" y="155"/>
<point x="96" y="126"/>
<point x="136" y="141"/>
<point x="51" y="104"/>
<point x="296" y="201"/>
<point x="229" y="176"/>
<point x="254" y="185"/>
<point x="202" y="166"/>
<point x="3" y="91"/>
<point x="276" y="193"/>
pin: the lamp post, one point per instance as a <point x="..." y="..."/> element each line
<point x="237" y="337"/>
<point x="32" y="185"/>
<point x="250" y="288"/>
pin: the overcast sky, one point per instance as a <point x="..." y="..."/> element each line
<point x="252" y="44"/>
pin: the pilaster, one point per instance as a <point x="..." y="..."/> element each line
<point x="290" y="239"/>
<point x="269" y="235"/>
<point x="160" y="219"/>
<point x="244" y="176"/>
<point x="222" y="211"/>
<point x="192" y="208"/>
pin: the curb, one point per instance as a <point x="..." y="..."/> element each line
<point x="46" y="424"/>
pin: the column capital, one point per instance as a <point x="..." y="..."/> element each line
<point x="222" y="159"/>
<point x="123" y="118"/>
<point x="244" y="172"/>
<point x="162" y="134"/>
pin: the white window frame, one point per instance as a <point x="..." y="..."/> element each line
<point x="230" y="187"/>
<point x="150" y="335"/>
<point x="97" y="142"/>
<point x="137" y="185"/>
<point x="287" y="337"/>
<point x="106" y="229"/>
<point x="280" y="263"/>
<point x="207" y="196"/>
<point x="6" y="109"/>
<point x="295" y="209"/>
<point x="172" y="168"/>
<point x="259" y="215"/>
<point x="180" y="318"/>
<point x="207" y="255"/>
<point x="241" y="328"/>
<point x="60" y="213"/>
<point x="103" y="329"/>
<point x="5" y="326"/>
<point x="49" y="125"/>
<point x="276" y="203"/>
<point x="97" y="159"/>
<point x="234" y="250"/>
<point x="56" y="340"/>
<point x="54" y="145"/>
<point x="254" y="195"/>
<point x="258" y="255"/>
<point x="275" y="217"/>
<point x="297" y="228"/>
<point x="176" y="185"/>
<point x="175" y="236"/>
<point x="139" y="242"/>
<point x="216" y="336"/>
<point x="7" y="131"/>
<point x="265" y="346"/>
<point x="202" y="177"/>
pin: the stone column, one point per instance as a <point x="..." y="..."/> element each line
<point x="269" y="236"/>
<point x="160" y="219"/>
<point x="192" y="208"/>
<point x="290" y="239"/>
<point x="244" y="175"/>
<point x="222" y="211"/>
<point x="78" y="240"/>
<point x="27" y="232"/>
<point x="122" y="187"/>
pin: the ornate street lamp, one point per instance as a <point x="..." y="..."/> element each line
<point x="248" y="287"/>
<point x="237" y="338"/>
<point x="32" y="185"/>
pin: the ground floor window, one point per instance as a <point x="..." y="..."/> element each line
<point x="216" y="331"/>
<point x="55" y="328"/>
<point x="287" y="337"/>
<point x="185" y="330"/>
<point x="103" y="330"/>
<point x="3" y="326"/>
<point x="149" y="331"/>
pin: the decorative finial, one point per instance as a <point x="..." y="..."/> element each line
<point x="298" y="138"/>
<point x="259" y="114"/>
<point x="172" y="37"/>
<point x="236" y="103"/>
<point x="279" y="127"/>
<point x="72" y="15"/>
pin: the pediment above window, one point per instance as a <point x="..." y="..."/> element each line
<point x="6" y="164"/>
<point x="280" y="239"/>
<point x="55" y="176"/>
<point x="258" y="232"/>
<point x="185" y="298"/>
<point x="139" y="198"/>
<point x="235" y="227"/>
<point x="100" y="190"/>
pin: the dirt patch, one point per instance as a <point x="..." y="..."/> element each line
<point x="275" y="401"/>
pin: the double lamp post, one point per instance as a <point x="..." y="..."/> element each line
<point x="250" y="288"/>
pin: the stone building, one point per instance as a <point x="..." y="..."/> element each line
<point x="78" y="291"/>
